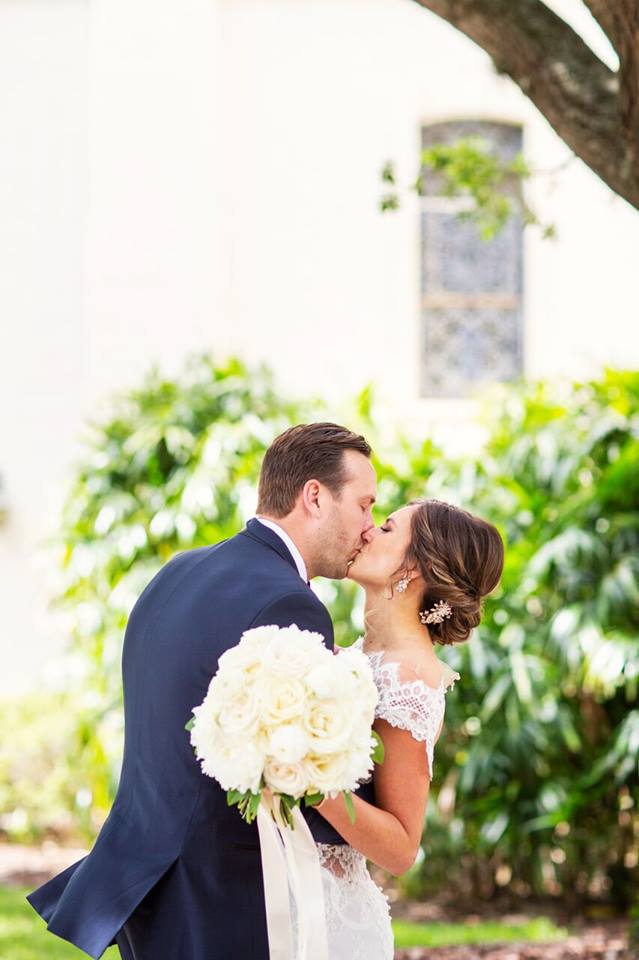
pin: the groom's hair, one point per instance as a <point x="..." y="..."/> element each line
<point x="309" y="451"/>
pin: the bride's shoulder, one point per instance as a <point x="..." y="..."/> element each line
<point x="409" y="666"/>
<point x="426" y="669"/>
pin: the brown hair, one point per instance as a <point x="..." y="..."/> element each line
<point x="460" y="558"/>
<point x="309" y="451"/>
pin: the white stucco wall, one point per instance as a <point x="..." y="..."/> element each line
<point x="154" y="147"/>
<point x="43" y="287"/>
<point x="201" y="174"/>
<point x="319" y="96"/>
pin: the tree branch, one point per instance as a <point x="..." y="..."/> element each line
<point x="619" y="19"/>
<point x="606" y="16"/>
<point x="628" y="50"/>
<point x="577" y="93"/>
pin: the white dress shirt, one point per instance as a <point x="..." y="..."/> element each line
<point x="283" y="535"/>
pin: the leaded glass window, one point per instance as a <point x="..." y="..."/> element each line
<point x="471" y="288"/>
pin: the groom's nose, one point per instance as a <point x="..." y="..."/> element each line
<point x="369" y="531"/>
<point x="373" y="533"/>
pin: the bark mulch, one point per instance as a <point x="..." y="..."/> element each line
<point x="22" y="866"/>
<point x="596" y="933"/>
<point x="604" y="941"/>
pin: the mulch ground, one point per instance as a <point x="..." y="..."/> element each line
<point x="602" y="939"/>
<point x="605" y="941"/>
<point x="30" y="866"/>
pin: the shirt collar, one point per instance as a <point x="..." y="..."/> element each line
<point x="297" y="556"/>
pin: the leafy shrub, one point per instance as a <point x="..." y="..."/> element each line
<point x="537" y="774"/>
<point x="173" y="467"/>
<point x="42" y="782"/>
<point x="539" y="767"/>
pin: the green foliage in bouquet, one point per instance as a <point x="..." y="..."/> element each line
<point x="248" y="802"/>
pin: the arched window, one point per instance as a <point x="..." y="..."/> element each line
<point x="471" y="288"/>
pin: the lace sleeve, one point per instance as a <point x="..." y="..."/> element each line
<point x="413" y="704"/>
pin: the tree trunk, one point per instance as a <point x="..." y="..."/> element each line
<point x="592" y="108"/>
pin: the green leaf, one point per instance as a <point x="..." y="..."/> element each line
<point x="190" y="724"/>
<point x="378" y="751"/>
<point x="312" y="799"/>
<point x="388" y="173"/>
<point x="287" y="803"/>
<point x="350" y="806"/>
<point x="253" y="805"/>
<point x="470" y="168"/>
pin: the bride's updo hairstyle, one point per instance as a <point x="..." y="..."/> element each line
<point x="460" y="558"/>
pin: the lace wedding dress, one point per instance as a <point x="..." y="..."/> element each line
<point x="357" y="910"/>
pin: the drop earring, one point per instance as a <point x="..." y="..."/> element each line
<point x="402" y="584"/>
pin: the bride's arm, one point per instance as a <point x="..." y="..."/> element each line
<point x="389" y="833"/>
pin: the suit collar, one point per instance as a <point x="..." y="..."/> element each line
<point x="289" y="543"/>
<point x="257" y="531"/>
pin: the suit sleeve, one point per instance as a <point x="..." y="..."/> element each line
<point x="302" y="608"/>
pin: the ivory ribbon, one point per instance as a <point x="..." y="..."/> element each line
<point x="289" y="858"/>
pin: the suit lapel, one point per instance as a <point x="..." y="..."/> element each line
<point x="257" y="531"/>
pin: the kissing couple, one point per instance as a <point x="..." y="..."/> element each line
<point x="175" y="873"/>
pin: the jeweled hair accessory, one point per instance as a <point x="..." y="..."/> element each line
<point x="442" y="610"/>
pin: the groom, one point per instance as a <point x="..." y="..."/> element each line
<point x="175" y="874"/>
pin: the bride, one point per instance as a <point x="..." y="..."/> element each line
<point x="425" y="572"/>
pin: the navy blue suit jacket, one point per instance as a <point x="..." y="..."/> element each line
<point x="175" y="874"/>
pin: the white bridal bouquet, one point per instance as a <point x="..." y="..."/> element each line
<point x="284" y="713"/>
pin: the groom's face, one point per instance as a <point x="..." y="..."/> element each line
<point x="349" y="524"/>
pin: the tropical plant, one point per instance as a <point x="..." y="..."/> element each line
<point x="539" y="768"/>
<point x="173" y="466"/>
<point x="536" y="782"/>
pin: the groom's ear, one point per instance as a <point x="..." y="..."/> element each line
<point x="311" y="497"/>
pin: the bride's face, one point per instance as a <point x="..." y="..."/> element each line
<point x="383" y="558"/>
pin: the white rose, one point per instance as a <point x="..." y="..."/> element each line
<point x="242" y="657"/>
<point x="365" y="698"/>
<point x="227" y="684"/>
<point x="329" y="724"/>
<point x="289" y="743"/>
<point x="235" y="769"/>
<point x="262" y="740"/>
<point x="325" y="772"/>
<point x="306" y="639"/>
<point x="281" y="698"/>
<point x="290" y="778"/>
<point x="259" y="636"/>
<point x="240" y="713"/>
<point x="363" y="687"/>
<point x="359" y="765"/>
<point x="205" y="729"/>
<point x="287" y="657"/>
<point x="356" y="660"/>
<point x="327" y="680"/>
